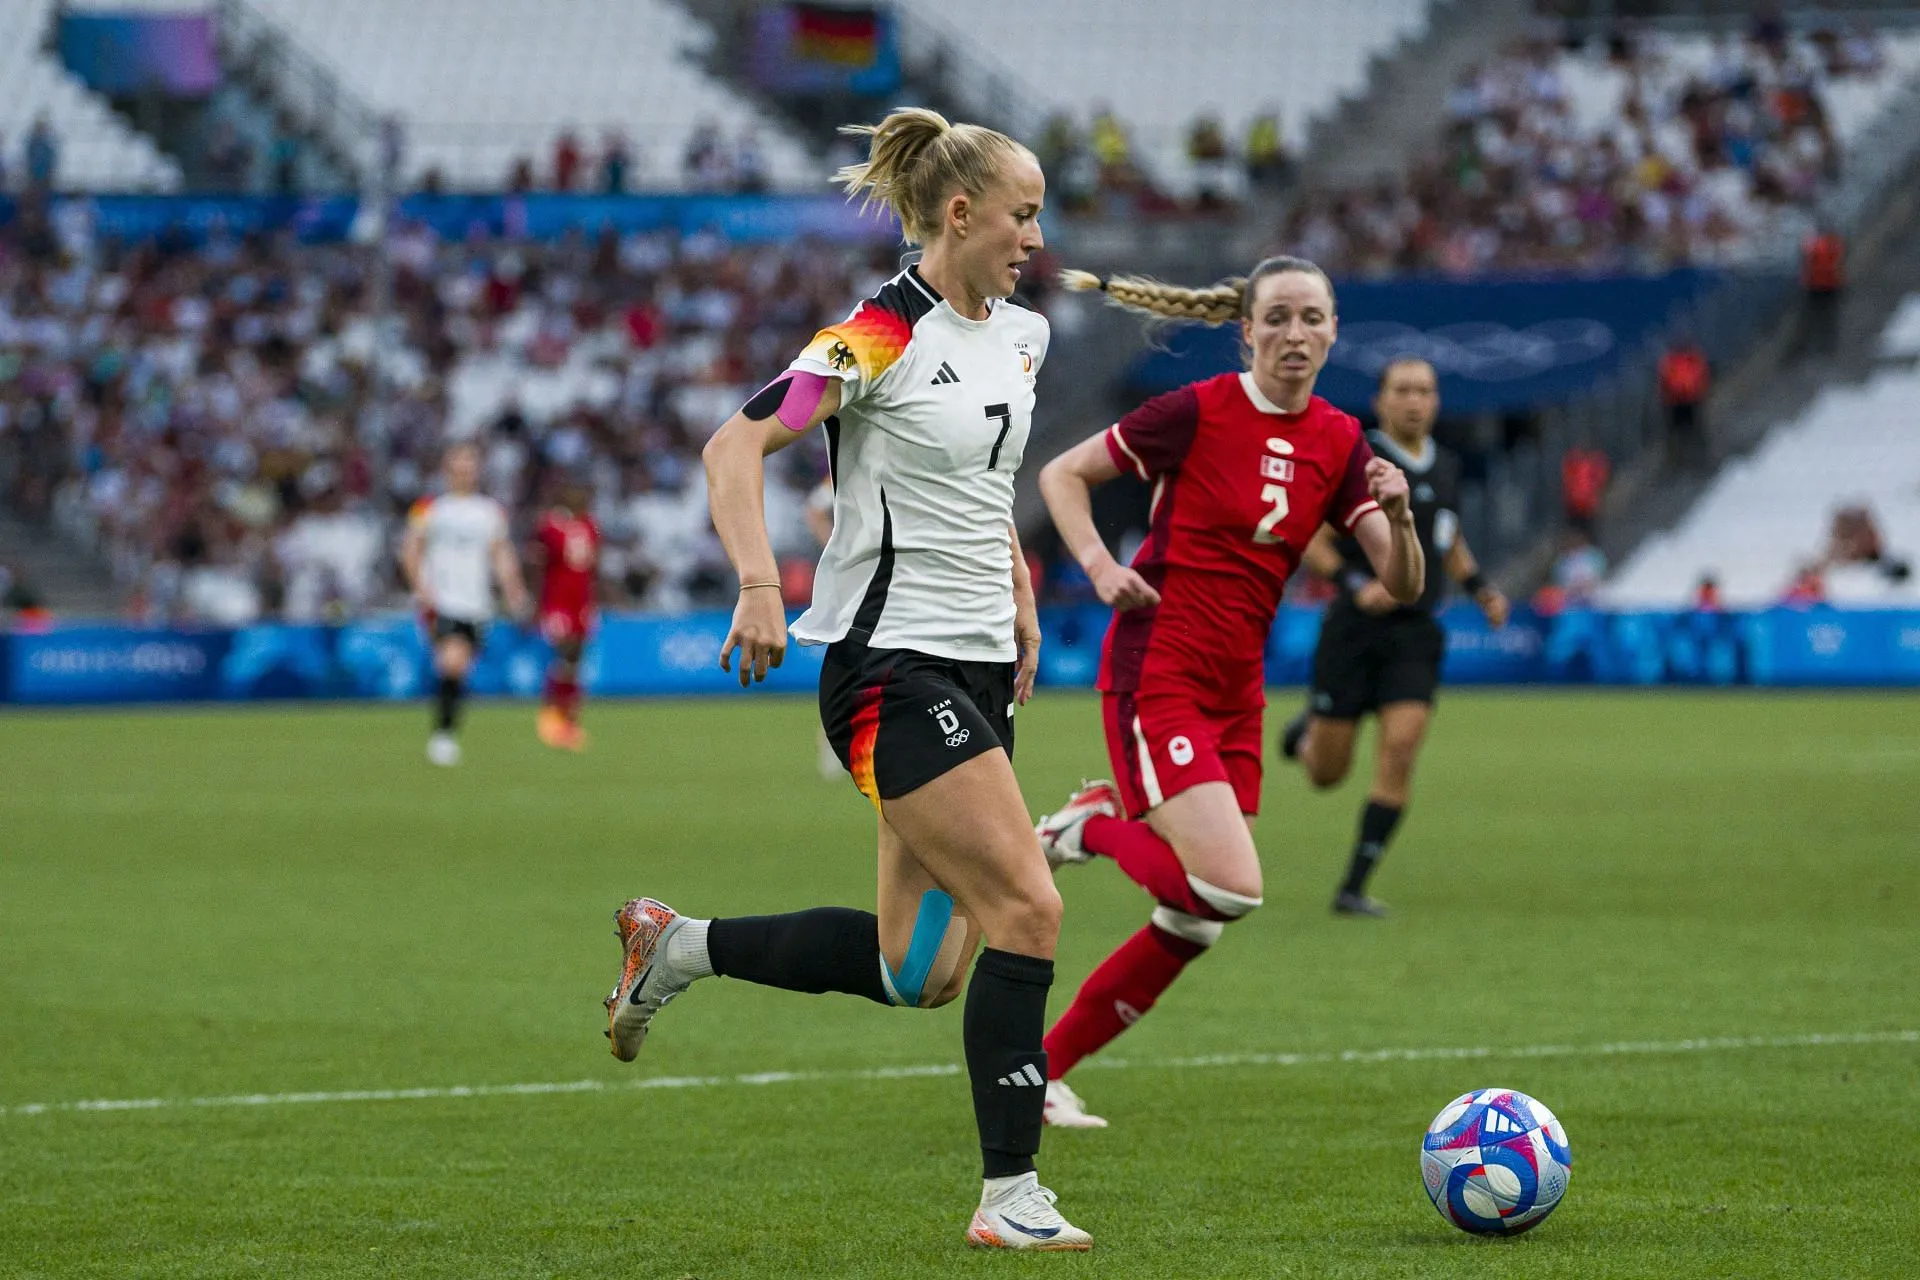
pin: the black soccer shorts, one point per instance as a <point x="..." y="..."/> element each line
<point x="1366" y="661"/>
<point x="898" y="719"/>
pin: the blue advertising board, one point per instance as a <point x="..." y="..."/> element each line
<point x="676" y="655"/>
<point x="1497" y="344"/>
<point x="538" y="215"/>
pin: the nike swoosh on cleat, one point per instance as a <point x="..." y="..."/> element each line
<point x="633" y="996"/>
<point x="1038" y="1233"/>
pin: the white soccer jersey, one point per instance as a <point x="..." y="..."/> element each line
<point x="933" y="420"/>
<point x="457" y="536"/>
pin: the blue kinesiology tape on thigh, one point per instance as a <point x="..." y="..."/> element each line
<point x="923" y="948"/>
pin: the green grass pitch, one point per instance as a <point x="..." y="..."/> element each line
<point x="207" y="904"/>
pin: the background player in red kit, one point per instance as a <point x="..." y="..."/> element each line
<point x="566" y="545"/>
<point x="1245" y="467"/>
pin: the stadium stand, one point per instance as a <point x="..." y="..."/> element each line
<point x="1784" y="522"/>
<point x="231" y="428"/>
<point x="1626" y="153"/>
<point x="98" y="151"/>
<point x="1063" y="55"/>
<point x="480" y="85"/>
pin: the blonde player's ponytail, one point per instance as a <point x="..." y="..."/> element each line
<point x="915" y="160"/>
<point x="1221" y="303"/>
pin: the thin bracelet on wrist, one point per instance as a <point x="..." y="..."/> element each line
<point x="749" y="586"/>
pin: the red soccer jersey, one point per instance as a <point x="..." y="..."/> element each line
<point x="572" y="546"/>
<point x="1239" y="489"/>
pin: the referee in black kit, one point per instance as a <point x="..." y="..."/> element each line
<point x="1375" y="655"/>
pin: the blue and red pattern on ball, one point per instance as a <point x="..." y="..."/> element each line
<point x="1505" y="1149"/>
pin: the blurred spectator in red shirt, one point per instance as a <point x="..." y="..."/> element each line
<point x="1809" y="586"/>
<point x="1823" y="275"/>
<point x="566" y="161"/>
<point x="1584" y="474"/>
<point x="1685" y="379"/>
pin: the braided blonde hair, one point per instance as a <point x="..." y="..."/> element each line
<point x="1222" y="303"/>
<point x="914" y="161"/>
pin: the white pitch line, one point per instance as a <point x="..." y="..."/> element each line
<point x="1612" y="1049"/>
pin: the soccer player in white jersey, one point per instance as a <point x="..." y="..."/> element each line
<point x="922" y="597"/>
<point x="456" y="548"/>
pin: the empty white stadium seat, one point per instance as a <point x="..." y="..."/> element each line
<point x="1765" y="515"/>
<point x="479" y="83"/>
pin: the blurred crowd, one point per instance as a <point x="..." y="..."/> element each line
<point x="711" y="161"/>
<point x="1095" y="168"/>
<point x="1607" y="154"/>
<point x="238" y="426"/>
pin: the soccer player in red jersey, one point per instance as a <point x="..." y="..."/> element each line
<point x="1244" y="467"/>
<point x="566" y="546"/>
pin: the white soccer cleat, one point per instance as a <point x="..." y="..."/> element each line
<point x="443" y="749"/>
<point x="1067" y="1110"/>
<point x="1059" y="831"/>
<point x="648" y="980"/>
<point x="1018" y="1213"/>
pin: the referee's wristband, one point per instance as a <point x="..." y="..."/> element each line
<point x="1474" y="583"/>
<point x="1354" y="579"/>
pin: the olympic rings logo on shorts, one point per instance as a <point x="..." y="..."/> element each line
<point x="1180" y="750"/>
<point x="954" y="740"/>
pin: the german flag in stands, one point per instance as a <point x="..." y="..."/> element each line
<point x="845" y="37"/>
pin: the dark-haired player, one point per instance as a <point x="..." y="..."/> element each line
<point x="1377" y="654"/>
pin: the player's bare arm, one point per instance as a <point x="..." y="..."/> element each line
<point x="1026" y="623"/>
<point x="412" y="548"/>
<point x="1323" y="558"/>
<point x="1067" y="484"/>
<point x="1465" y="570"/>
<point x="506" y="572"/>
<point x="735" y="459"/>
<point x="1388" y="535"/>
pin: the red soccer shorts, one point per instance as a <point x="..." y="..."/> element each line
<point x="1161" y="745"/>
<point x="561" y="625"/>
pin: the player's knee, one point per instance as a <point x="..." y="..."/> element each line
<point x="1240" y="897"/>
<point x="949" y="993"/>
<point x="1198" y="930"/>
<point x="933" y="970"/>
<point x="1324" y="773"/>
<point x="1028" y="920"/>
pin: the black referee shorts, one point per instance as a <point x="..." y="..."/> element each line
<point x="441" y="627"/>
<point x="1366" y="661"/>
<point x="898" y="719"/>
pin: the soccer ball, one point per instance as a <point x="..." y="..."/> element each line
<point x="1495" y="1162"/>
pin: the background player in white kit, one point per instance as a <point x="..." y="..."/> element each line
<point x="456" y="547"/>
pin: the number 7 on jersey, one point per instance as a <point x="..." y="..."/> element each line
<point x="1005" y="414"/>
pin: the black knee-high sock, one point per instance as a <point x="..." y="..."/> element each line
<point x="446" y="711"/>
<point x="1377" y="822"/>
<point x="1005" y="1022"/>
<point x="825" y="949"/>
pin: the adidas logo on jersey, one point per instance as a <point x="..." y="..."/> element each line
<point x="1027" y="1076"/>
<point x="945" y="375"/>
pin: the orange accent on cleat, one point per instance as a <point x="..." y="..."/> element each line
<point x="552" y="727"/>
<point x="640" y="924"/>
